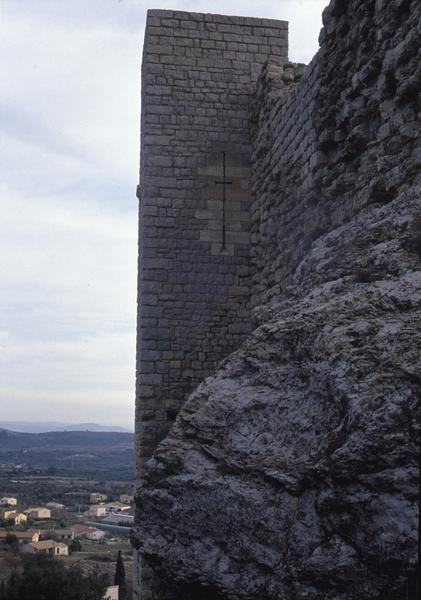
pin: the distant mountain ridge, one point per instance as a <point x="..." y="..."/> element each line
<point x="58" y="439"/>
<point x="47" y="426"/>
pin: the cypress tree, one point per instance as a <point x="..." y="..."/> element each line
<point x="120" y="577"/>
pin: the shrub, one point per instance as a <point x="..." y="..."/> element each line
<point x="46" y="578"/>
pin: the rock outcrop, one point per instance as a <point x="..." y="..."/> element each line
<point x="293" y="472"/>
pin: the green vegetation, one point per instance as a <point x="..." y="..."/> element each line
<point x="83" y="453"/>
<point x="45" y="578"/>
<point x="73" y="492"/>
<point x="75" y="546"/>
<point x="11" y="539"/>
<point x="12" y="542"/>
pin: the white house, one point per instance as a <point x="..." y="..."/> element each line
<point x="22" y="536"/>
<point x="111" y="593"/>
<point x="90" y="533"/>
<point x="39" y="512"/>
<point x="95" y="497"/>
<point x="8" y="501"/>
<point x="17" y="518"/>
<point x="126" y="498"/>
<point x="49" y="547"/>
<point x="117" y="506"/>
<point x="61" y="549"/>
<point x="95" y="534"/>
<point x="98" y="510"/>
<point x="55" y="505"/>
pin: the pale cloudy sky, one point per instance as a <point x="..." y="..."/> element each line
<point x="69" y="151"/>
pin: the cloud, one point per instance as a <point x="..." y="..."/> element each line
<point x="108" y="408"/>
<point x="69" y="113"/>
<point x="66" y="328"/>
<point x="73" y="93"/>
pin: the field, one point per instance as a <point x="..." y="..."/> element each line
<point x="72" y="491"/>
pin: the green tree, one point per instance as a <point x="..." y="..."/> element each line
<point x="120" y="577"/>
<point x="46" y="578"/>
<point x="3" y="590"/>
<point x="75" y="546"/>
<point x="11" y="539"/>
<point x="11" y="588"/>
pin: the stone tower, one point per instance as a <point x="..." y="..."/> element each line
<point x="199" y="74"/>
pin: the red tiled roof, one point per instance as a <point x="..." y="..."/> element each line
<point x="19" y="534"/>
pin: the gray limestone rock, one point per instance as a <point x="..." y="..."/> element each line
<point x="293" y="472"/>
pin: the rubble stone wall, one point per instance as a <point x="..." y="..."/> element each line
<point x="341" y="138"/>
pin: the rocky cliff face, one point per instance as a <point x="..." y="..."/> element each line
<point x="293" y="472"/>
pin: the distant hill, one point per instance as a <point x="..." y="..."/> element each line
<point x="109" y="454"/>
<point x="18" y="440"/>
<point x="45" y="426"/>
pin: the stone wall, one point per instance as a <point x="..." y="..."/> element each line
<point x="343" y="137"/>
<point x="198" y="76"/>
<point x="291" y="472"/>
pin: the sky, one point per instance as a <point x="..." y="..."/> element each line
<point x="69" y="155"/>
